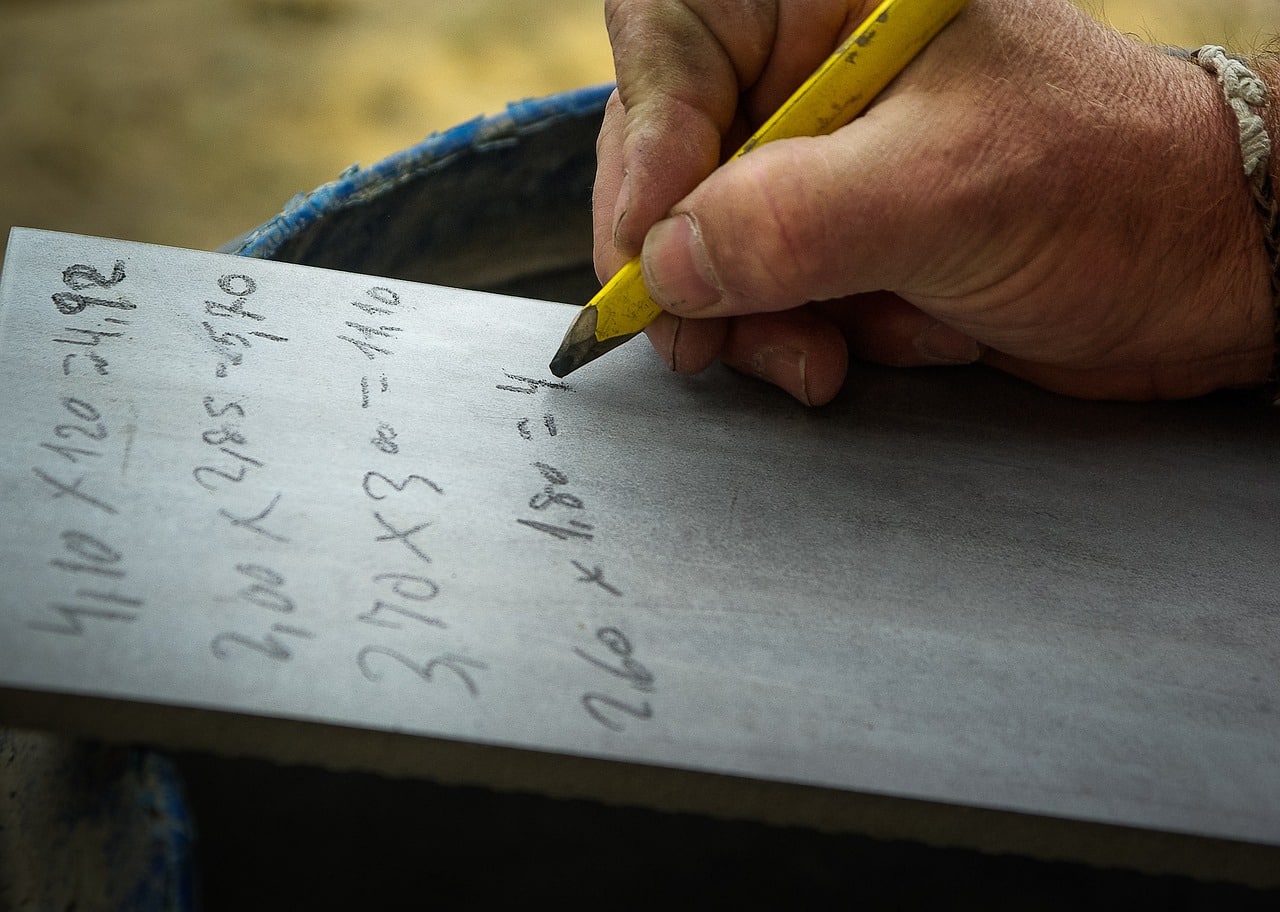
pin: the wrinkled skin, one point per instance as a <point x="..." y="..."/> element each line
<point x="1035" y="191"/>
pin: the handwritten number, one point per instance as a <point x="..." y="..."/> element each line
<point x="589" y="701"/>
<point x="208" y="407"/>
<point x="72" y="304"/>
<point x="426" y="671"/>
<point x="72" y="615"/>
<point x="531" y="384"/>
<point x="370" y="617"/>
<point x="424" y="590"/>
<point x="219" y="473"/>
<point x="81" y="409"/>
<point x="81" y="277"/>
<point x="430" y="589"/>
<point x="263" y="591"/>
<point x="370" y="477"/>
<point x="237" y="285"/>
<point x="550" y="496"/>
<point x="243" y="458"/>
<point x="84" y="545"/>
<point x="224" y="338"/>
<point x="264" y="597"/>
<point x="551" y="474"/>
<point x="69" y="453"/>
<point x="264" y="575"/>
<point x="615" y="640"/>
<point x="268" y="646"/>
<point x="639" y="676"/>
<point x="384" y="296"/>
<point x="232" y="310"/>
<point x="224" y="434"/>
<point x="99" y="432"/>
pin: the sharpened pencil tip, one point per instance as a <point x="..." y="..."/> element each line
<point x="580" y="345"/>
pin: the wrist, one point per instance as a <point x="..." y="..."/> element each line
<point x="1237" y="126"/>
<point x="1267" y="66"/>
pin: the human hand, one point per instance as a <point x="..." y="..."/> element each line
<point x="1036" y="191"/>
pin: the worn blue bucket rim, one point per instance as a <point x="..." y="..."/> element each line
<point x="357" y="184"/>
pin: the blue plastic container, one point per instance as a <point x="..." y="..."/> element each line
<point x="497" y="204"/>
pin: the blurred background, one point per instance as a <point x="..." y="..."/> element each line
<point x="187" y="122"/>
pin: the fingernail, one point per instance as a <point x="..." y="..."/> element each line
<point x="783" y="367"/>
<point x="676" y="269"/>
<point x="940" y="344"/>
<point x="664" y="334"/>
<point x="620" y="207"/>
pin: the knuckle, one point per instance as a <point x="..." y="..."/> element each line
<point x="785" y="260"/>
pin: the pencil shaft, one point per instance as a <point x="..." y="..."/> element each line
<point x="868" y="60"/>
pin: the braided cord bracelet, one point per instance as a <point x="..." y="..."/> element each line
<point x="1247" y="96"/>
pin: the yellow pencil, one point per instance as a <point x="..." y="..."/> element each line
<point x="877" y="51"/>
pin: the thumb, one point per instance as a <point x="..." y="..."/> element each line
<point x="805" y="219"/>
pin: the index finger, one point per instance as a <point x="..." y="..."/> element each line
<point x="690" y="73"/>
<point x="681" y="66"/>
